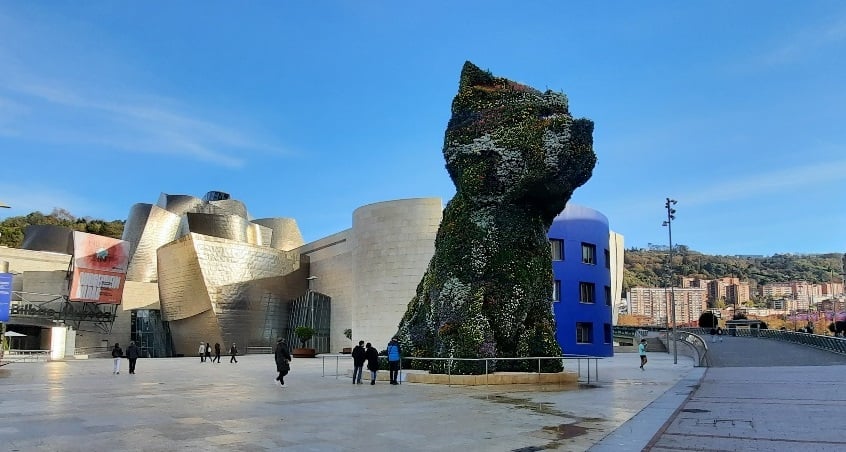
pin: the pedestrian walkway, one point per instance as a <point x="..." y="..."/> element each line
<point x="761" y="394"/>
<point x="182" y="404"/>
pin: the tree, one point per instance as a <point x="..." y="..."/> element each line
<point x="304" y="334"/>
<point x="708" y="320"/>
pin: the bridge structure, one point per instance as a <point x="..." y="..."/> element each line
<point x="755" y="390"/>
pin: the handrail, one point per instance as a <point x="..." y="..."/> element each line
<point x="14" y="355"/>
<point x="259" y="349"/>
<point x="578" y="359"/>
<point x="829" y="343"/>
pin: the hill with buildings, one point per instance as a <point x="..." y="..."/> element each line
<point x="648" y="267"/>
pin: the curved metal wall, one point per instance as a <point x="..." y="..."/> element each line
<point x="392" y="243"/>
<point x="286" y="234"/>
<point x="576" y="225"/>
<point x="219" y="290"/>
<point x="147" y="228"/>
<point x="179" y="204"/>
<point x="48" y="237"/>
<point x="229" y="227"/>
<point x="230" y="207"/>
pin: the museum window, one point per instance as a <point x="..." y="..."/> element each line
<point x="584" y="332"/>
<point x="557" y="247"/>
<point x="556" y="290"/>
<point x="588" y="253"/>
<point x="608" y="337"/>
<point x="608" y="259"/>
<point x="587" y="292"/>
<point x="607" y="295"/>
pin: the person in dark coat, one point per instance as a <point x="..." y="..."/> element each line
<point x="283" y="360"/>
<point x="359" y="355"/>
<point x="216" y="352"/>
<point x="233" y="351"/>
<point x="372" y="357"/>
<point x="132" y="354"/>
<point x="208" y="352"/>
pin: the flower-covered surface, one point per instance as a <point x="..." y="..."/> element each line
<point x="515" y="155"/>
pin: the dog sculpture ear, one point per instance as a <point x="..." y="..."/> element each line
<point x="471" y="76"/>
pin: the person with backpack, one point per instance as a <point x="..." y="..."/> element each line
<point x="394" y="356"/>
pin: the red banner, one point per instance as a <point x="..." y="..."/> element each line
<point x="100" y="265"/>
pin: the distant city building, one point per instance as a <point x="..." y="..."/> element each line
<point x="656" y="303"/>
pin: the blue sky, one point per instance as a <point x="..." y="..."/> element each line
<point x="311" y="109"/>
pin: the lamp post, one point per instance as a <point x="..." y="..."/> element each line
<point x="671" y="215"/>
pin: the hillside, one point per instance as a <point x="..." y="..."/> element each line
<point x="648" y="267"/>
<point x="12" y="228"/>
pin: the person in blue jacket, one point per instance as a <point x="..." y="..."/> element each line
<point x="394" y="356"/>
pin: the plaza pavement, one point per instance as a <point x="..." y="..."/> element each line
<point x="766" y="395"/>
<point x="182" y="404"/>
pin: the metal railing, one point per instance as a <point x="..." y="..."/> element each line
<point x="103" y="350"/>
<point x="259" y="350"/>
<point x="26" y="356"/>
<point x="828" y="343"/>
<point x="450" y="361"/>
<point x="698" y="344"/>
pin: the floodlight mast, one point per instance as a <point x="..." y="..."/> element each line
<point x="671" y="215"/>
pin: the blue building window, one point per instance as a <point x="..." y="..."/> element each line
<point x="557" y="249"/>
<point x="587" y="292"/>
<point x="556" y="290"/>
<point x="584" y="333"/>
<point x="588" y="253"/>
<point x="607" y="295"/>
<point x="607" y="333"/>
<point x="608" y="259"/>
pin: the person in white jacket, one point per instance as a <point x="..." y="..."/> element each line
<point x="202" y="352"/>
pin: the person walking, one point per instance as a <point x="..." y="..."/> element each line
<point x="372" y="357"/>
<point x="359" y="355"/>
<point x="720" y="333"/>
<point x="132" y="355"/>
<point x="283" y="360"/>
<point x="641" y="350"/>
<point x="208" y="352"/>
<point x="233" y="350"/>
<point x="713" y="334"/>
<point x="117" y="355"/>
<point x="202" y="352"/>
<point x="216" y="352"/>
<point x="394" y="355"/>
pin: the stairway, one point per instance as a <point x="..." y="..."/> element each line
<point x="653" y="344"/>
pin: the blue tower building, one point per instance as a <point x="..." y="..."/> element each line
<point x="581" y="265"/>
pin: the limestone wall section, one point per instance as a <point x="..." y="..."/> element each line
<point x="392" y="243"/>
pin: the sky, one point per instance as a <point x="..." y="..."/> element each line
<point x="309" y="110"/>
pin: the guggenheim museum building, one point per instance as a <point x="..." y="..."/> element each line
<point x="201" y="269"/>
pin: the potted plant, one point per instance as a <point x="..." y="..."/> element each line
<point x="348" y="335"/>
<point x="304" y="334"/>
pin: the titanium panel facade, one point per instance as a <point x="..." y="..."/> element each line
<point x="219" y="290"/>
<point x="147" y="228"/>
<point x="228" y="227"/>
<point x="286" y="233"/>
<point x="48" y="237"/>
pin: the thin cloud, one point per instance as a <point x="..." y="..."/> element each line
<point x="771" y="182"/>
<point x="133" y="123"/>
<point x="804" y="42"/>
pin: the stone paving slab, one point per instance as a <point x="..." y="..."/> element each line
<point x="761" y="409"/>
<point x="182" y="404"/>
